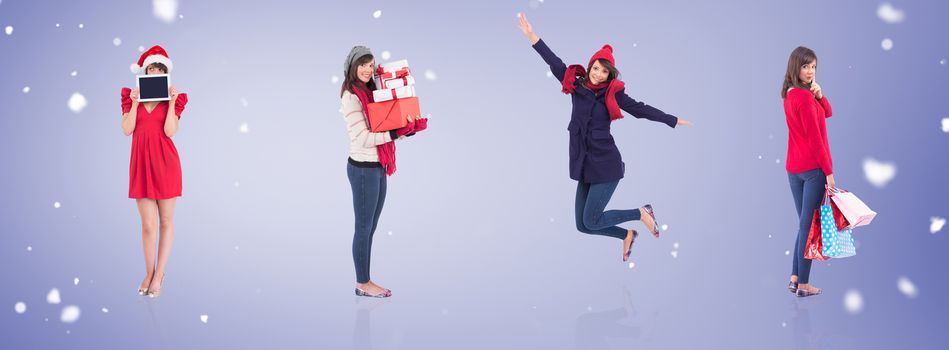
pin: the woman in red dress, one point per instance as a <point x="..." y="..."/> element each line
<point x="154" y="169"/>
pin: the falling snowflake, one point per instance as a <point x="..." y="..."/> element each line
<point x="945" y="121"/>
<point x="74" y="73"/>
<point x="784" y="324"/>
<point x="244" y="128"/>
<point x="759" y="157"/>
<point x="942" y="61"/>
<point x="853" y="301"/>
<point x="117" y="41"/>
<point x="386" y="55"/>
<point x="70" y="314"/>
<point x="57" y="25"/>
<point x="890" y="14"/>
<point x="665" y="227"/>
<point x="141" y="49"/>
<point x="550" y="74"/>
<point x="887" y="44"/>
<point x="878" y="173"/>
<point x="430" y="74"/>
<point x="787" y="252"/>
<point x="81" y="25"/>
<point x="56" y="205"/>
<point x="29" y="248"/>
<point x="936" y="224"/>
<point x="26" y="89"/>
<point x="77" y="102"/>
<point x="53" y="296"/>
<point x="165" y="10"/>
<point x="204" y="318"/>
<point x="9" y="30"/>
<point x="334" y="79"/>
<point x="75" y="281"/>
<point x="19" y="307"/>
<point x="907" y="287"/>
<point x="674" y="253"/>
<point x="244" y="102"/>
<point x="105" y="310"/>
<point x="237" y="184"/>
<point x="377" y="14"/>
<point x="632" y="265"/>
<point x="181" y="16"/>
<point x="535" y="3"/>
<point x="390" y="233"/>
<point x="675" y="245"/>
<point x="777" y="161"/>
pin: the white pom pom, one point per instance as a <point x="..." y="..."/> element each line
<point x="135" y="68"/>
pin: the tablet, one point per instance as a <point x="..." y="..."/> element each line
<point x="153" y="87"/>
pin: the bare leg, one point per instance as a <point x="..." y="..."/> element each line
<point x="148" y="210"/>
<point x="166" y="215"/>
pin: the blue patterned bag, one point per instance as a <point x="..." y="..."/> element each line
<point x="837" y="243"/>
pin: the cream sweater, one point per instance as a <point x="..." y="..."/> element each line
<point x="362" y="142"/>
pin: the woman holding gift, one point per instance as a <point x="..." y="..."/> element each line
<point x="154" y="169"/>
<point x="371" y="160"/>
<point x="809" y="165"/>
<point x="598" y="98"/>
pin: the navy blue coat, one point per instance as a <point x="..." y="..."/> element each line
<point x="594" y="157"/>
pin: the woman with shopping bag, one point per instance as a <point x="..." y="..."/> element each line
<point x="599" y="98"/>
<point x="809" y="164"/>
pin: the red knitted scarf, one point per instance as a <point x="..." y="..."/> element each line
<point x="386" y="150"/>
<point x="575" y="70"/>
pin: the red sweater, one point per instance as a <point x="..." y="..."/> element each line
<point x="807" y="132"/>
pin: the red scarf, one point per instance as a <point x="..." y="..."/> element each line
<point x="386" y="150"/>
<point x="615" y="85"/>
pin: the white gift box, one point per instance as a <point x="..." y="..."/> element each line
<point x="389" y="94"/>
<point x="396" y="83"/>
<point x="392" y="67"/>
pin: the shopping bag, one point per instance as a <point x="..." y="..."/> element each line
<point x="814" y="245"/>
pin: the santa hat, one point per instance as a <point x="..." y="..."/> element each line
<point x="156" y="54"/>
<point x="605" y="53"/>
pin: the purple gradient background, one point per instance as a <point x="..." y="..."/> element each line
<point x="482" y="252"/>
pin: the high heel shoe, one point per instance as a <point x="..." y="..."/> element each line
<point x="142" y="291"/>
<point x="385" y="293"/>
<point x="157" y="293"/>
<point x="629" y="249"/>
<point x="655" y="223"/>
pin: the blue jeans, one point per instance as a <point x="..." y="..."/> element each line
<point x="808" y="190"/>
<point x="592" y="199"/>
<point x="369" y="194"/>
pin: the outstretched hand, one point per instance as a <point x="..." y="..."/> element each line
<point x="526" y="28"/>
<point x="683" y="122"/>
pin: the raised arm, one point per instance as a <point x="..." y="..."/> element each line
<point x="129" y="109"/>
<point x="557" y="67"/>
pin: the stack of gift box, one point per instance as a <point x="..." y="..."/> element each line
<point x="394" y="97"/>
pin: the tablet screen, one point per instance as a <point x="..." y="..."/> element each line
<point x="153" y="87"/>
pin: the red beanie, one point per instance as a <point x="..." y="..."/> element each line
<point x="605" y="53"/>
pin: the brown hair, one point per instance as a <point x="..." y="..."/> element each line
<point x="799" y="57"/>
<point x="614" y="73"/>
<point x="159" y="66"/>
<point x="352" y="80"/>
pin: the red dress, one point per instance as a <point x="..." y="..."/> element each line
<point x="154" y="170"/>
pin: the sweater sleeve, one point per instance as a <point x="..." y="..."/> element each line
<point x="811" y="123"/>
<point x="556" y="64"/>
<point x="357" y="126"/>
<point x="826" y="104"/>
<point x="642" y="110"/>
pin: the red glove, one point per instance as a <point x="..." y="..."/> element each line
<point x="421" y="124"/>
<point x="405" y="130"/>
